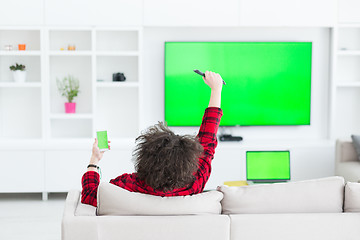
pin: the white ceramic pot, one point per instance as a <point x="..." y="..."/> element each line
<point x="19" y="76"/>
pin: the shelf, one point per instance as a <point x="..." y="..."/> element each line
<point x="81" y="39"/>
<point x="348" y="52"/>
<point x="117" y="53"/>
<point x="106" y="66"/>
<point x="20" y="113"/>
<point x="80" y="68"/>
<point x="75" y="126"/>
<point x="117" y="84"/>
<point x="71" y="116"/>
<point x="22" y="144"/>
<point x="20" y="85"/>
<point x="114" y="41"/>
<point x="347" y="114"/>
<point x="70" y="53"/>
<point x="30" y="37"/>
<point x="348" y="84"/>
<point x="349" y="25"/>
<point x="32" y="63"/>
<point x="20" y="53"/>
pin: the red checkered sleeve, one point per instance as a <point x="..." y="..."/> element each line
<point x="90" y="182"/>
<point x="207" y="137"/>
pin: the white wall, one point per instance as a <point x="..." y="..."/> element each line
<point x="320" y="13"/>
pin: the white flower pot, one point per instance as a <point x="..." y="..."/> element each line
<point x="19" y="76"/>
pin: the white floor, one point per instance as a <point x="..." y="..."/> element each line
<point x="27" y="217"/>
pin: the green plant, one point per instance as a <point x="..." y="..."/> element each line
<point x="17" y="67"/>
<point x="68" y="87"/>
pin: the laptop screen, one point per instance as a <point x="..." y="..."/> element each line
<point x="268" y="166"/>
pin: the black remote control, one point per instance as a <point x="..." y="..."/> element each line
<point x="199" y="72"/>
<point x="203" y="74"/>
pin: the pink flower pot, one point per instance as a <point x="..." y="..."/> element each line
<point x="70" y="107"/>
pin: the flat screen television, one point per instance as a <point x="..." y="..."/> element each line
<point x="268" y="166"/>
<point x="267" y="83"/>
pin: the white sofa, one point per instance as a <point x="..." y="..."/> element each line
<point x="347" y="163"/>
<point x="311" y="209"/>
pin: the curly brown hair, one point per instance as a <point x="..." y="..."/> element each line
<point x="164" y="160"/>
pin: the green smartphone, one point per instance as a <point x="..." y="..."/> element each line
<point x="102" y="140"/>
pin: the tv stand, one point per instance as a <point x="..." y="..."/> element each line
<point x="230" y="138"/>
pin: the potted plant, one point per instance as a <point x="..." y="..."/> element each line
<point x="19" y="72"/>
<point x="69" y="88"/>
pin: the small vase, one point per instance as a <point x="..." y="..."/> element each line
<point x="19" y="76"/>
<point x="22" y="47"/>
<point x="70" y="107"/>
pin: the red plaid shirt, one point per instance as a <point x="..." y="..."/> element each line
<point x="131" y="182"/>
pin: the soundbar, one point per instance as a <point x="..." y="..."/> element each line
<point x="230" y="138"/>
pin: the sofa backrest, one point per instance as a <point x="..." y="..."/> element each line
<point x="312" y="196"/>
<point x="345" y="151"/>
<point x="113" y="200"/>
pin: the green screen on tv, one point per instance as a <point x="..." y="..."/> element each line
<point x="267" y="83"/>
<point x="267" y="165"/>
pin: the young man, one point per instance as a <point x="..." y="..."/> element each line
<point x="166" y="164"/>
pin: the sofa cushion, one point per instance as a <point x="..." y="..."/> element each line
<point x="356" y="143"/>
<point x="352" y="197"/>
<point x="311" y="196"/>
<point x="113" y="200"/>
<point x="288" y="226"/>
<point x="186" y="227"/>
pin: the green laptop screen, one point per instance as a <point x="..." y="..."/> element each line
<point x="268" y="165"/>
<point x="267" y="83"/>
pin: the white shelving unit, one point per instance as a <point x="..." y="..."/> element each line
<point x="21" y="103"/>
<point x="33" y="122"/>
<point x="346" y="81"/>
<point x="99" y="53"/>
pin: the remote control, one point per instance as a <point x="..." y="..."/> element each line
<point x="203" y="74"/>
<point x="199" y="72"/>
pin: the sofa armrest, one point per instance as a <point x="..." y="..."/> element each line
<point x="71" y="202"/>
<point x="77" y="227"/>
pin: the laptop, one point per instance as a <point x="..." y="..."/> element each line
<point x="268" y="166"/>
